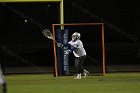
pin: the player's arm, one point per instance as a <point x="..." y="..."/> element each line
<point x="72" y="47"/>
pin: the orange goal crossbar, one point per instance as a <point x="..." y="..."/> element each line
<point x="79" y="24"/>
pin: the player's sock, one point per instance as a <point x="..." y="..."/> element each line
<point x="78" y="76"/>
<point x="85" y="73"/>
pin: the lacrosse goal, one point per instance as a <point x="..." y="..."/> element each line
<point x="92" y="35"/>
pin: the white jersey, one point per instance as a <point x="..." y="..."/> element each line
<point x="80" y="51"/>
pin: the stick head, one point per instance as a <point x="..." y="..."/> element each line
<point x="47" y="33"/>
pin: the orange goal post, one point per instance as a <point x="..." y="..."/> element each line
<point x="62" y="26"/>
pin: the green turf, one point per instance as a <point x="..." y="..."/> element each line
<point x="43" y="83"/>
<point x="0" y="89"/>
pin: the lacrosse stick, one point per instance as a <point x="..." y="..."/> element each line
<point x="49" y="35"/>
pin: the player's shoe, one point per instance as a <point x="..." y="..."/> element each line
<point x="78" y="76"/>
<point x="85" y="73"/>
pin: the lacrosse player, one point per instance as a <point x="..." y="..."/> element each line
<point x="3" y="82"/>
<point x="79" y="53"/>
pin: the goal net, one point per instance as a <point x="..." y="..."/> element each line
<point x="92" y="36"/>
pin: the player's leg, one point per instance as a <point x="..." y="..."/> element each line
<point x="85" y="73"/>
<point x="82" y="69"/>
<point x="3" y="83"/>
<point x="4" y="88"/>
<point x="77" y="63"/>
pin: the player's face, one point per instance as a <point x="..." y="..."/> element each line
<point x="73" y="37"/>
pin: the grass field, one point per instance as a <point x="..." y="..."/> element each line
<point x="43" y="83"/>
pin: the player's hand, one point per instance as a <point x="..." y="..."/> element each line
<point x="67" y="51"/>
<point x="60" y="45"/>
